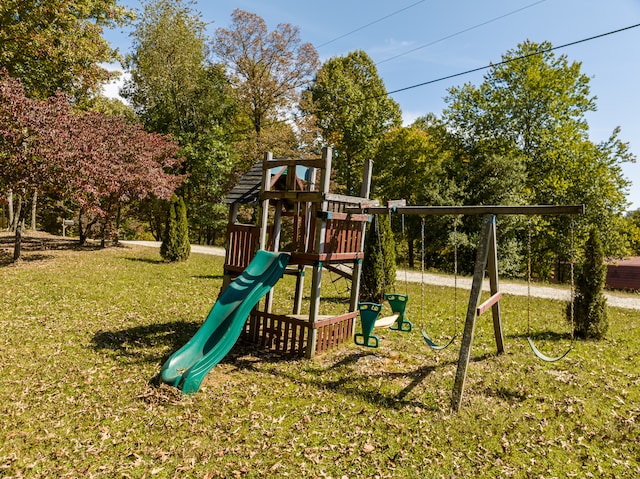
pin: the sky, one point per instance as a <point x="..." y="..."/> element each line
<point x="419" y="41"/>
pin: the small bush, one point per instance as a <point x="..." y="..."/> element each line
<point x="175" y="243"/>
<point x="379" y="264"/>
<point x="590" y="306"/>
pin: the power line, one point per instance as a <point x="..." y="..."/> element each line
<point x="504" y="62"/>
<point x="371" y="23"/>
<point x="461" y="32"/>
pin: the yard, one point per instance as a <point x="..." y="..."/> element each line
<point x="84" y="332"/>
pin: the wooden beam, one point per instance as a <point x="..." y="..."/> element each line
<point x="527" y="210"/>
<point x="484" y="307"/>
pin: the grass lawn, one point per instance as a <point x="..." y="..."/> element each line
<point x="85" y="331"/>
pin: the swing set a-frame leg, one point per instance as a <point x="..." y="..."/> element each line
<point x="486" y="254"/>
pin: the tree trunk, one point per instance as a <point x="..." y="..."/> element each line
<point x="116" y="238"/>
<point x="33" y="210"/>
<point x="410" y="253"/>
<point x="10" y="208"/>
<point x="17" y="214"/>
<point x="17" y="245"/>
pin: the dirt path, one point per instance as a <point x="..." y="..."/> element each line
<point x="517" y="289"/>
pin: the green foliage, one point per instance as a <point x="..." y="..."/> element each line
<point x="379" y="264"/>
<point x="174" y="89"/>
<point x="57" y="45"/>
<point x="633" y="231"/>
<point x="532" y="110"/>
<point x="353" y="111"/>
<point x="590" y="318"/>
<point x="175" y="244"/>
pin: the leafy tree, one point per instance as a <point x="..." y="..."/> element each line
<point x="54" y="45"/>
<point x="590" y="305"/>
<point x="175" y="244"/>
<point x="115" y="163"/>
<point x="532" y="106"/>
<point x="633" y="231"/>
<point x="268" y="69"/>
<point x="30" y="131"/>
<point x="409" y="165"/>
<point x="379" y="263"/>
<point x="353" y="111"/>
<point x="99" y="162"/>
<point x="174" y="89"/>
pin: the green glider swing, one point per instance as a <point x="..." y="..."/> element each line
<point x="370" y="312"/>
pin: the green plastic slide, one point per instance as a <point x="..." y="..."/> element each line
<point x="188" y="366"/>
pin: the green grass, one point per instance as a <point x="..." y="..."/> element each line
<point x="84" y="332"/>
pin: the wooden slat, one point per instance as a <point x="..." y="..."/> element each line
<point x="484" y="307"/>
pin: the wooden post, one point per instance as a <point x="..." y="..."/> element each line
<point x="264" y="212"/>
<point x="365" y="191"/>
<point x="297" y="302"/>
<point x="316" y="279"/>
<point x="474" y="300"/>
<point x="494" y="285"/>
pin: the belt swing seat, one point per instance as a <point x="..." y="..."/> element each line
<point x="534" y="349"/>
<point x="427" y="339"/>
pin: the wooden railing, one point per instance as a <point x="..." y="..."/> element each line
<point x="242" y="241"/>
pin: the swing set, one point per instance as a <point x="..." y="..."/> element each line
<point x="486" y="263"/>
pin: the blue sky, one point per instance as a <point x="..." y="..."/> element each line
<point x="431" y="39"/>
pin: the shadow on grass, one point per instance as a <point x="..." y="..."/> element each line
<point x="145" y="260"/>
<point x="141" y="343"/>
<point x="551" y="336"/>
<point x="353" y="382"/>
<point x="208" y="276"/>
<point x="34" y="248"/>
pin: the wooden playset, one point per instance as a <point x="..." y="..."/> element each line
<point x="297" y="213"/>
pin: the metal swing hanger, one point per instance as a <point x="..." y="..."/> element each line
<point x="539" y="354"/>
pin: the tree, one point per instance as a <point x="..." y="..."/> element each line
<point x="268" y="69"/>
<point x="97" y="161"/>
<point x="633" y="231"/>
<point x="590" y="305"/>
<point x="409" y="165"/>
<point x="57" y="45"/>
<point x="30" y="156"/>
<point x="115" y="163"/>
<point x="532" y="106"/>
<point x="174" y="89"/>
<point x="175" y="244"/>
<point x="379" y="263"/>
<point x="353" y="111"/>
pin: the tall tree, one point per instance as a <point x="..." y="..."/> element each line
<point x="268" y="69"/>
<point x="175" y="89"/>
<point x="57" y="45"/>
<point x="532" y="105"/>
<point x="588" y="313"/>
<point x="353" y="111"/>
<point x="409" y="164"/>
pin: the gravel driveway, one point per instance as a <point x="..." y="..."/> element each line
<point x="517" y="289"/>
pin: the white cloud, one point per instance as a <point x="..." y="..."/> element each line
<point x="112" y="89"/>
